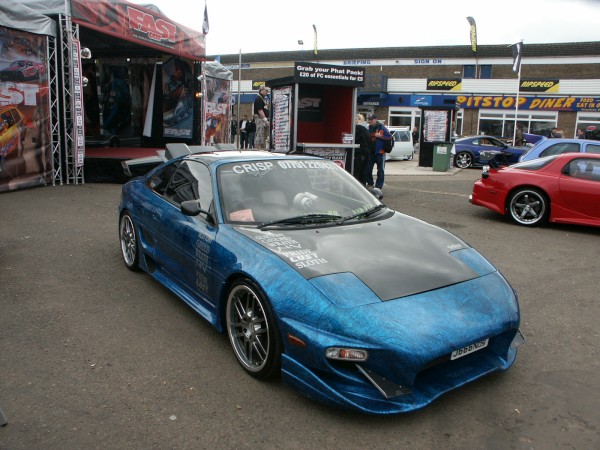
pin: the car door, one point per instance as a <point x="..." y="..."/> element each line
<point x="592" y="148"/>
<point x="184" y="244"/>
<point x="579" y="186"/>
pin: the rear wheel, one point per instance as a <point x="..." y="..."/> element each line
<point x="129" y="242"/>
<point x="528" y="207"/>
<point x="463" y="160"/>
<point x="252" y="331"/>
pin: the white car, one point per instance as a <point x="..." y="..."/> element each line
<point x="403" y="144"/>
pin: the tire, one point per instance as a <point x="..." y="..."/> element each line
<point x="130" y="249"/>
<point x="463" y="160"/>
<point x="528" y="206"/>
<point x="251" y="329"/>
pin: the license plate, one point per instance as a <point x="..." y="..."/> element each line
<point x="469" y="349"/>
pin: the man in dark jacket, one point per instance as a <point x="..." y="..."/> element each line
<point x="379" y="133"/>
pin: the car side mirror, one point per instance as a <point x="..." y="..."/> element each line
<point x="193" y="208"/>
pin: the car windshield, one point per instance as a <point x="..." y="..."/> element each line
<point x="291" y="191"/>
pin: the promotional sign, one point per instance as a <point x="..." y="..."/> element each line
<point x="444" y="84"/>
<point x="590" y="104"/>
<point x="539" y="85"/>
<point x="25" y="149"/>
<point x="308" y="72"/>
<point x="135" y="23"/>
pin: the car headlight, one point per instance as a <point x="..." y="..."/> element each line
<point x="346" y="354"/>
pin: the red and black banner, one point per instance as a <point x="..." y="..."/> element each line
<point x="135" y="23"/>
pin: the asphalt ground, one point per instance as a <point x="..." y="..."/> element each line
<point x="95" y="356"/>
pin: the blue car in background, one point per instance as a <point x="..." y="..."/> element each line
<point x="557" y="146"/>
<point x="467" y="150"/>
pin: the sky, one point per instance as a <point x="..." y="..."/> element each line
<point x="277" y="25"/>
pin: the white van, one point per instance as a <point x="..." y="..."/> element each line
<point x="403" y="144"/>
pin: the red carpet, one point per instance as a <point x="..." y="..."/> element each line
<point x="119" y="152"/>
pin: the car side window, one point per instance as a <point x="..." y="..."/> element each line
<point x="586" y="169"/>
<point x="191" y="181"/>
<point x="593" y="148"/>
<point x="160" y="180"/>
<point x="562" y="147"/>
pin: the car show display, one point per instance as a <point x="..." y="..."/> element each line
<point x="271" y="250"/>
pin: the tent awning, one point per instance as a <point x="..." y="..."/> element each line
<point x="21" y="17"/>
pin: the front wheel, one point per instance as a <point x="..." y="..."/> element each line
<point x="251" y="330"/>
<point x="528" y="207"/>
<point x="463" y="160"/>
<point x="129" y="242"/>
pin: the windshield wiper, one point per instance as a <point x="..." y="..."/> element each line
<point x="306" y="218"/>
<point x="363" y="213"/>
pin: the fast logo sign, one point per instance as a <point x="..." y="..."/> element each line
<point x="156" y="30"/>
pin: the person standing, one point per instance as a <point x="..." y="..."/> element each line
<point x="251" y="129"/>
<point x="519" y="136"/>
<point x="244" y="132"/>
<point x="379" y="133"/>
<point x="233" y="128"/>
<point x="361" y="154"/>
<point x="261" y="109"/>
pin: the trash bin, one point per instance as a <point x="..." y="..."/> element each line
<point x="442" y="156"/>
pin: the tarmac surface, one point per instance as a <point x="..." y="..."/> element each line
<point x="94" y="356"/>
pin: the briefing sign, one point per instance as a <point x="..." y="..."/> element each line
<point x="591" y="104"/>
<point x="306" y="72"/>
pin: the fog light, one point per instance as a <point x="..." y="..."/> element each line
<point x="346" y="354"/>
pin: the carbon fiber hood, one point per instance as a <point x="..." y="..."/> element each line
<point x="394" y="257"/>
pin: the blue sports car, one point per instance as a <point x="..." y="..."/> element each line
<point x="292" y="259"/>
<point x="467" y="150"/>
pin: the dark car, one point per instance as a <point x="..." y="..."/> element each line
<point x="22" y="70"/>
<point x="467" y="150"/>
<point x="562" y="188"/>
<point x="271" y="250"/>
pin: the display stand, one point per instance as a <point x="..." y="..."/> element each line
<point x="313" y="111"/>
<point x="437" y="129"/>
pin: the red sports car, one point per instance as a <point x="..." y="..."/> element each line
<point x="561" y="188"/>
<point x="22" y="70"/>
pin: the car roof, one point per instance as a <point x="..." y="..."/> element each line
<point x="569" y="140"/>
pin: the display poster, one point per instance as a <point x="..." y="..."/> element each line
<point x="216" y="120"/>
<point x="178" y="99"/>
<point x="25" y="145"/>
<point x="436" y="124"/>
<point x="310" y="103"/>
<point x="281" y="126"/>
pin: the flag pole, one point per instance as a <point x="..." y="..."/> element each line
<point x="239" y="96"/>
<point x="518" y="62"/>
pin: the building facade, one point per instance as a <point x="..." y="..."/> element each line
<point x="558" y="85"/>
